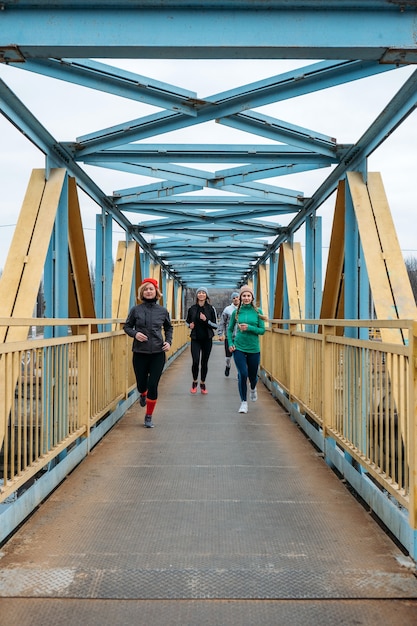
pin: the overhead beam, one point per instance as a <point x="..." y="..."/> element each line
<point x="56" y="156"/>
<point x="116" y="81"/>
<point x="225" y="153"/>
<point x="295" y="83"/>
<point x="145" y="30"/>
<point x="398" y="109"/>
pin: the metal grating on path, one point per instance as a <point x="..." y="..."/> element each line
<point x="209" y="507"/>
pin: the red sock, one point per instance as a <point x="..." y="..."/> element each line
<point x="150" y="405"/>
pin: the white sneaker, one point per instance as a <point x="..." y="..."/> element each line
<point x="253" y="395"/>
<point x="243" y="407"/>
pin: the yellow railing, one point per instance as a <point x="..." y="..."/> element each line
<point x="53" y="390"/>
<point x="358" y="392"/>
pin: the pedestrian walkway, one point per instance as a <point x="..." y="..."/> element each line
<point x="210" y="518"/>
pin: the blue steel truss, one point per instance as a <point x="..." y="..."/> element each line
<point x="209" y="217"/>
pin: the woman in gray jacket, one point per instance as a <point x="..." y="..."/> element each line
<point x="145" y="323"/>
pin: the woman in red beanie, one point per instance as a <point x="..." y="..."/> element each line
<point x="144" y="324"/>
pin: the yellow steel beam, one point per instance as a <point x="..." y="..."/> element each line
<point x="122" y="278"/>
<point x="390" y="286"/>
<point x="295" y="280"/>
<point x="263" y="282"/>
<point x="19" y="284"/>
<point x="170" y="296"/>
<point x="333" y="291"/>
<point x="279" y="287"/>
<point x="396" y="270"/>
<point x="80" y="292"/>
<point x="138" y="271"/>
<point x="178" y="313"/>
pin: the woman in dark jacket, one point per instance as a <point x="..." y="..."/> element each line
<point x="202" y="320"/>
<point x="145" y="323"/>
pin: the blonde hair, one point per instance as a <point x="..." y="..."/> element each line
<point x="142" y="289"/>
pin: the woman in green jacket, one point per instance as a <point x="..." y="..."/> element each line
<point x="245" y="326"/>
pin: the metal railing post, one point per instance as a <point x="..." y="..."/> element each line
<point x="84" y="378"/>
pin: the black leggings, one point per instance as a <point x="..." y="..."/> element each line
<point x="148" y="369"/>
<point x="227" y="349"/>
<point x="200" y="349"/>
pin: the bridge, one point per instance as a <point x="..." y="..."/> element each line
<point x="338" y="358"/>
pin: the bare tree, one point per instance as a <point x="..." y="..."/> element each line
<point x="411" y="265"/>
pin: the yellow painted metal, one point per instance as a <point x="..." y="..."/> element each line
<point x="353" y="389"/>
<point x="56" y="389"/>
<point x="81" y="300"/>
<point x="404" y="301"/>
<point x="317" y="370"/>
<point x="332" y="298"/>
<point x="300" y="277"/>
<point x="24" y="265"/>
<point x="295" y="280"/>
<point x="170" y="296"/>
<point x="155" y="272"/>
<point x="329" y="392"/>
<point x="118" y="272"/>
<point x="83" y="382"/>
<point x="122" y="278"/>
<point x="179" y="313"/>
<point x="138" y="271"/>
<point x="279" y="287"/>
<point x="390" y="286"/>
<point x="263" y="278"/>
<point x="389" y="282"/>
<point x="413" y="430"/>
<point x="19" y="284"/>
<point x="19" y="248"/>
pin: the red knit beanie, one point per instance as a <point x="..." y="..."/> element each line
<point x="152" y="281"/>
<point x="142" y="287"/>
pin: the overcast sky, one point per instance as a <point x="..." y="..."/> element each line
<point x="345" y="112"/>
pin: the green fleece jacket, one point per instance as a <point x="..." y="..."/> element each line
<point x="248" y="340"/>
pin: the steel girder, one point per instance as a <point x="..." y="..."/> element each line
<point x="240" y="218"/>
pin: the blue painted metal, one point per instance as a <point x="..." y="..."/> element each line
<point x="165" y="153"/>
<point x="56" y="268"/>
<point x="299" y="82"/>
<point x="220" y="237"/>
<point x="118" y="82"/>
<point x="355" y="39"/>
<point x="104" y="267"/>
<point x="195" y="30"/>
<point x="279" y="130"/>
<point x="145" y="265"/>
<point x="351" y="264"/>
<point x="313" y="268"/>
<point x="99" y="297"/>
<point x="357" y="291"/>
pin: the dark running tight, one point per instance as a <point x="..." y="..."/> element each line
<point x="247" y="365"/>
<point x="148" y="370"/>
<point x="200" y="349"/>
